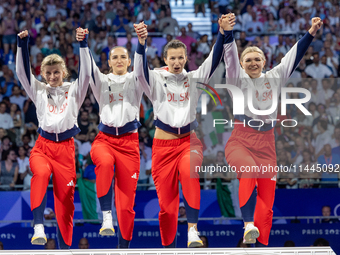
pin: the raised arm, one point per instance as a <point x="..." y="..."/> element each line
<point x="141" y="69"/>
<point x="208" y="67"/>
<point x="84" y="72"/>
<point x="23" y="67"/>
<point x="96" y="76"/>
<point x="293" y="57"/>
<point x="231" y="59"/>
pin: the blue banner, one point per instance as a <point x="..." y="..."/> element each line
<point x="14" y="237"/>
<point x="15" y="205"/>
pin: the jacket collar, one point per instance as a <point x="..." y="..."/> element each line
<point x="170" y="76"/>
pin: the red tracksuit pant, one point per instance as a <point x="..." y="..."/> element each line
<point x="173" y="161"/>
<point x="248" y="148"/>
<point x="57" y="158"/>
<point x="123" y="152"/>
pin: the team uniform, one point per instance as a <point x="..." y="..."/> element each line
<point x="255" y="146"/>
<point x="174" y="98"/>
<point x="53" y="153"/>
<point x="117" y="145"/>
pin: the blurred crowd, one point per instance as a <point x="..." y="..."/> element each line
<point x="272" y="25"/>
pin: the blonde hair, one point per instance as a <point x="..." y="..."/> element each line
<point x="54" y="59"/>
<point x="252" y="49"/>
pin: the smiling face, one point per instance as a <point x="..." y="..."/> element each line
<point x="53" y="75"/>
<point x="119" y="61"/>
<point x="175" y="60"/>
<point x="253" y="63"/>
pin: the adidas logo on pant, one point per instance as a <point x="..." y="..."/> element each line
<point x="71" y="183"/>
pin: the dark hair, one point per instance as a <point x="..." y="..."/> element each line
<point x="174" y="44"/>
<point x="312" y="103"/>
<point x="206" y="238"/>
<point x="323" y="124"/>
<point x="6" y="153"/>
<point x="321" y="242"/>
<point x="289" y="243"/>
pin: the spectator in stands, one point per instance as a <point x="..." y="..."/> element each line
<point x="192" y="33"/>
<point x="85" y="148"/>
<point x="50" y="244"/>
<point x="6" y="121"/>
<point x="322" y="138"/>
<point x="16" y="97"/>
<point x="281" y="47"/>
<point x="246" y="17"/>
<point x="120" y="24"/>
<point x="49" y="48"/>
<point x="1" y="246"/>
<point x="145" y="156"/>
<point x="200" y="5"/>
<point x="7" y="81"/>
<point x="83" y="243"/>
<point x="24" y="168"/>
<point x="150" y="20"/>
<point x="214" y="20"/>
<point x="288" y="25"/>
<point x="328" y="163"/>
<point x="325" y="93"/>
<point x="335" y="142"/>
<point x="203" y="45"/>
<point x="129" y="39"/>
<point x="205" y="241"/>
<point x="254" y="27"/>
<point x="321" y="242"/>
<point x="16" y="117"/>
<point x="84" y="125"/>
<point x="271" y="24"/>
<point x="71" y="56"/>
<point x="285" y="179"/>
<point x="187" y="40"/>
<point x="315" y="93"/>
<point x="318" y="70"/>
<point x="195" y="58"/>
<point x="182" y="214"/>
<point x="307" y="177"/>
<point x="152" y="49"/>
<point x="326" y="212"/>
<point x="243" y="40"/>
<point x="289" y="243"/>
<point x="9" y="170"/>
<point x="9" y="29"/>
<point x="102" y="63"/>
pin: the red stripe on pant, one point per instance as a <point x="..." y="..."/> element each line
<point x="123" y="152"/>
<point x="57" y="158"/>
<point x="250" y="148"/>
<point x="173" y="161"/>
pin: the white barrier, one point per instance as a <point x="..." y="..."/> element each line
<point x="205" y="251"/>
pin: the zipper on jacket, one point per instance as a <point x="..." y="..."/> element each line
<point x="57" y="138"/>
<point x="116" y="131"/>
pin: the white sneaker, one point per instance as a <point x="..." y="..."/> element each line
<point x="39" y="236"/>
<point x="193" y="238"/>
<point x="250" y="234"/>
<point x="107" y="226"/>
